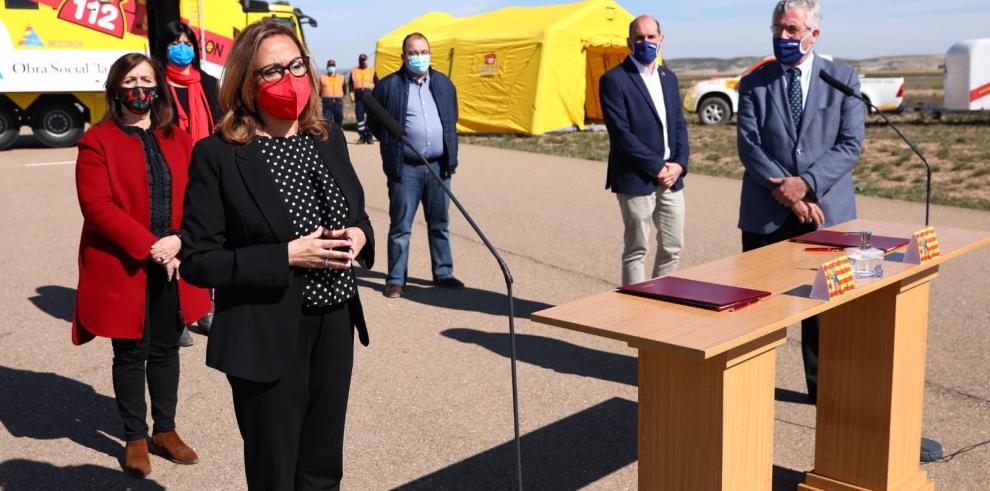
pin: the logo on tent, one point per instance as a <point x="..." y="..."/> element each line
<point x="489" y="66"/>
<point x="31" y="39"/>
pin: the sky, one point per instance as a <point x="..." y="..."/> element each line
<point x="853" y="29"/>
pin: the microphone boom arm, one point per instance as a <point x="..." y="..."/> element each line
<point x="392" y="126"/>
<point x="845" y="89"/>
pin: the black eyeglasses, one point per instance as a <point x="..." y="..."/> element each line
<point x="298" y="67"/>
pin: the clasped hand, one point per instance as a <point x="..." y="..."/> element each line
<point x="790" y="190"/>
<point x="164" y="253"/>
<point x="327" y="249"/>
<point x="809" y="212"/>
<point x="669" y="173"/>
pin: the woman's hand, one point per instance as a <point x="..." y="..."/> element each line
<point x="172" y="269"/>
<point x="163" y="251"/>
<point x="313" y="251"/>
<point x="353" y="234"/>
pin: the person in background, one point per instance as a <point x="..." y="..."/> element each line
<point x="131" y="178"/>
<point x="332" y="89"/>
<point x="194" y="98"/>
<point x="362" y="79"/>
<point x="798" y="140"/>
<point x="275" y="222"/>
<point x="648" y="152"/>
<point x="424" y="102"/>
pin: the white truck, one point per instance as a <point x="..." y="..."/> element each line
<point x="716" y="100"/>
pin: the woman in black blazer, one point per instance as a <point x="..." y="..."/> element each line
<point x="274" y="220"/>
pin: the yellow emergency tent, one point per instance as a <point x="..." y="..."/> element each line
<point x="524" y="70"/>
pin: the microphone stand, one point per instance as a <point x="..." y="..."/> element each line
<point x="845" y="89"/>
<point x="931" y="450"/>
<point x="377" y="110"/>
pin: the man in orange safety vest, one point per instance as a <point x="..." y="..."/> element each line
<point x="363" y="80"/>
<point x="332" y="89"/>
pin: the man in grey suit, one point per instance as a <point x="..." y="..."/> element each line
<point x="798" y="139"/>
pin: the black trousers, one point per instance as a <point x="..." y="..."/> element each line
<point x="359" y="112"/>
<point x="155" y="356"/>
<point x="293" y="428"/>
<point x="809" y="327"/>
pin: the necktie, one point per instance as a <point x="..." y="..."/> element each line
<point x="794" y="96"/>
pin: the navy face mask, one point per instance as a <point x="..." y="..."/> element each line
<point x="789" y="51"/>
<point x="645" y="52"/>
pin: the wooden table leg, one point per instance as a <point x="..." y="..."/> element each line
<point x="871" y="391"/>
<point x="708" y="424"/>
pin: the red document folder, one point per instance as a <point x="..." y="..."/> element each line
<point x="702" y="294"/>
<point x="848" y="239"/>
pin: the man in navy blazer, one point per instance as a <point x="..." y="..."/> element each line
<point x="798" y="139"/>
<point x="648" y="151"/>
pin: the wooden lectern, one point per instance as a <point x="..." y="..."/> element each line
<point x="706" y="379"/>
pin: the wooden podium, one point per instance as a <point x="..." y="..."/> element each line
<point x="706" y="379"/>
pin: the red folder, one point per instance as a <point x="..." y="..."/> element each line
<point x="702" y="294"/>
<point x="848" y="239"/>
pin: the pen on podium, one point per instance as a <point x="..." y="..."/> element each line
<point x="823" y="249"/>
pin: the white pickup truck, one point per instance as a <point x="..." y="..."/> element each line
<point x="716" y="100"/>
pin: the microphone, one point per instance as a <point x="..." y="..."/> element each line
<point x="380" y="115"/>
<point x="847" y="90"/>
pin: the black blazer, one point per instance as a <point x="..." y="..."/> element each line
<point x="235" y="234"/>
<point x="635" y="135"/>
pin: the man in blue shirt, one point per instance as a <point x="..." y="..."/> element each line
<point x="424" y="102"/>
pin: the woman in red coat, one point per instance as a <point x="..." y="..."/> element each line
<point x="131" y="176"/>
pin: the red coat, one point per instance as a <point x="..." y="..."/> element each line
<point x="112" y="183"/>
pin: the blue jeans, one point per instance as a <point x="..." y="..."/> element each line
<point x="403" y="200"/>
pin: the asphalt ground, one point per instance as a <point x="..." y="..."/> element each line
<point x="430" y="404"/>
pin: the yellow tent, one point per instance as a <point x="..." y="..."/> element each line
<point x="524" y="70"/>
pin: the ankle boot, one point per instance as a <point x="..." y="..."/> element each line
<point x="136" y="461"/>
<point x="174" y="448"/>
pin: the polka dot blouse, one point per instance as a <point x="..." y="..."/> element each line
<point x="313" y="199"/>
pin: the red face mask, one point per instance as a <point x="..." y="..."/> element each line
<point x="286" y="98"/>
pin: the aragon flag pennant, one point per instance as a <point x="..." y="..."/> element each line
<point x="833" y="279"/>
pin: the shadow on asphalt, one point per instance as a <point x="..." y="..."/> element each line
<point x="554" y="354"/>
<point x="25" y="475"/>
<point x="27" y="141"/>
<point x="569" y="454"/>
<point x="56" y="301"/>
<point x="470" y="299"/>
<point x="785" y="395"/>
<point x="563" y="357"/>
<point x="47" y="406"/>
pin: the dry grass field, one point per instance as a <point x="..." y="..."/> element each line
<point x="955" y="145"/>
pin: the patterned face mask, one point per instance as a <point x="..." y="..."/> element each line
<point x="137" y="99"/>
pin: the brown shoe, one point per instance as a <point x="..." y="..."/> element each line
<point x="393" y="291"/>
<point x="174" y="448"/>
<point x="136" y="461"/>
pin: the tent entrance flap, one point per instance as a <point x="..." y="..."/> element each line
<point x="600" y="59"/>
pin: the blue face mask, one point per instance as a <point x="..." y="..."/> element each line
<point x="331" y="70"/>
<point x="789" y="51"/>
<point x="419" y="64"/>
<point x="180" y="54"/>
<point x="645" y="52"/>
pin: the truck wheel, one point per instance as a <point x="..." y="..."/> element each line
<point x="9" y="128"/>
<point x="713" y="111"/>
<point x="58" y="125"/>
